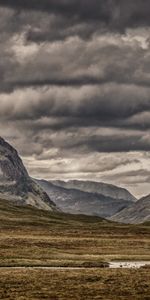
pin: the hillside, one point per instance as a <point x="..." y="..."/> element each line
<point x="101" y="188"/>
<point x="139" y="212"/>
<point x="76" y="201"/>
<point x="27" y="214"/>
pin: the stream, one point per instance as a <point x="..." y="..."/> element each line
<point x="128" y="264"/>
<point x="112" y="265"/>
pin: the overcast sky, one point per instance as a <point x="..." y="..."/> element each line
<point x="75" y="88"/>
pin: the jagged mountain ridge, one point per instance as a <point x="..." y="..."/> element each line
<point x="79" y="202"/>
<point x="15" y="182"/>
<point x="101" y="188"/>
<point x="139" y="212"/>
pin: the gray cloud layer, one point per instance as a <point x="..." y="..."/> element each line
<point x="74" y="82"/>
<point x="111" y="12"/>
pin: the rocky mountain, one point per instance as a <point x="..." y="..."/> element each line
<point x="139" y="212"/>
<point x="15" y="183"/>
<point x="105" y="189"/>
<point x="75" y="201"/>
<point x="76" y="197"/>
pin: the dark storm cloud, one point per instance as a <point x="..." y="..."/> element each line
<point x="69" y="28"/>
<point x="72" y="140"/>
<point x="79" y="8"/>
<point x="73" y="63"/>
<point x="133" y="176"/>
<point x="102" y="103"/>
<point x="119" y="11"/>
<point x="82" y="17"/>
<point x="104" y="140"/>
<point x="75" y="87"/>
<point x="78" y="63"/>
<point x="116" y="143"/>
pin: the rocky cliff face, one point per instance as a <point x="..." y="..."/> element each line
<point x="16" y="184"/>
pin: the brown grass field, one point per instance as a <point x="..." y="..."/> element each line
<point x="88" y="284"/>
<point x="29" y="237"/>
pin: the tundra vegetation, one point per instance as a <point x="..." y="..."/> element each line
<point x="31" y="237"/>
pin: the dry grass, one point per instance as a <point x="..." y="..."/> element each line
<point x="86" y="284"/>
<point x="34" y="238"/>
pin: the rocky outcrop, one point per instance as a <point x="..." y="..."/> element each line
<point x="15" y="182"/>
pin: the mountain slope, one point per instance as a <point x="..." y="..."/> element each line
<point x="15" y="183"/>
<point x="105" y="189"/>
<point x="78" y="202"/>
<point x="139" y="212"/>
<point x="12" y="214"/>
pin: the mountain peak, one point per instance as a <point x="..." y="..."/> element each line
<point x="15" y="182"/>
<point x="11" y="166"/>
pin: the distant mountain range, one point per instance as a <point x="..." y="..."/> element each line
<point x="89" y="198"/>
<point x="105" y="189"/>
<point x="74" y="197"/>
<point x="98" y="199"/>
<point x="15" y="183"/>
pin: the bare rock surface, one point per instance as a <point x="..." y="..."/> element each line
<point x="15" y="182"/>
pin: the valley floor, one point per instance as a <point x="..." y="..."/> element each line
<point x="104" y="284"/>
<point x="29" y="237"/>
